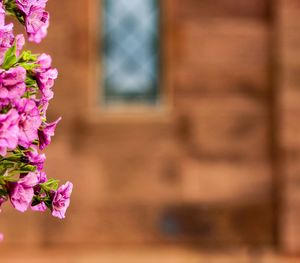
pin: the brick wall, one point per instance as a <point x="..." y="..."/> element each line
<point x="288" y="100"/>
<point x="207" y="172"/>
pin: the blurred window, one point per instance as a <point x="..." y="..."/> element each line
<point x="131" y="52"/>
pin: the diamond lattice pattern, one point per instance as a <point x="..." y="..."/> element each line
<point x="131" y="49"/>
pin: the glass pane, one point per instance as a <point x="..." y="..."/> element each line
<point x="131" y="53"/>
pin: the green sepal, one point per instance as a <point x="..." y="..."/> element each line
<point x="48" y="203"/>
<point x="3" y="192"/>
<point x="30" y="81"/>
<point x="27" y="56"/>
<point x="2" y="181"/>
<point x="5" y="110"/>
<point x="35" y="201"/>
<point x="5" y="164"/>
<point x="10" y="179"/>
<point x="28" y="66"/>
<point x="28" y="168"/>
<point x="51" y="184"/>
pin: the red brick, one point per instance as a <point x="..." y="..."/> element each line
<point x="225" y="182"/>
<point x="255" y="9"/>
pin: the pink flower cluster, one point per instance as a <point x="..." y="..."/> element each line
<point x="26" y="82"/>
<point x="35" y="17"/>
<point x="32" y="14"/>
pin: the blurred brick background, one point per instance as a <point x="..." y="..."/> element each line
<point x="218" y="170"/>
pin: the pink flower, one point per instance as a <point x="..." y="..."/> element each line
<point x="6" y="35"/>
<point x="20" y="196"/>
<point x="13" y="76"/>
<point x="46" y="133"/>
<point x="42" y="177"/>
<point x="37" y="23"/>
<point x="20" y="42"/>
<point x="30" y="180"/>
<point x="26" y="5"/>
<point x="2" y="14"/>
<point x="39" y="208"/>
<point x="29" y="121"/>
<point x="61" y="200"/>
<point x="36" y="159"/>
<point x="21" y="193"/>
<point x="45" y="76"/>
<point x="45" y="62"/>
<point x="43" y="106"/>
<point x="9" y="131"/>
<point x="6" y="38"/>
<point x="45" y="82"/>
<point x="12" y="83"/>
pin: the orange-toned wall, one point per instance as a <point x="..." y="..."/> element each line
<point x="220" y="163"/>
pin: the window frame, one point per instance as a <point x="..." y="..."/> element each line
<point x="95" y="77"/>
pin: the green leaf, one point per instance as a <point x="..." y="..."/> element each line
<point x="10" y="57"/>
